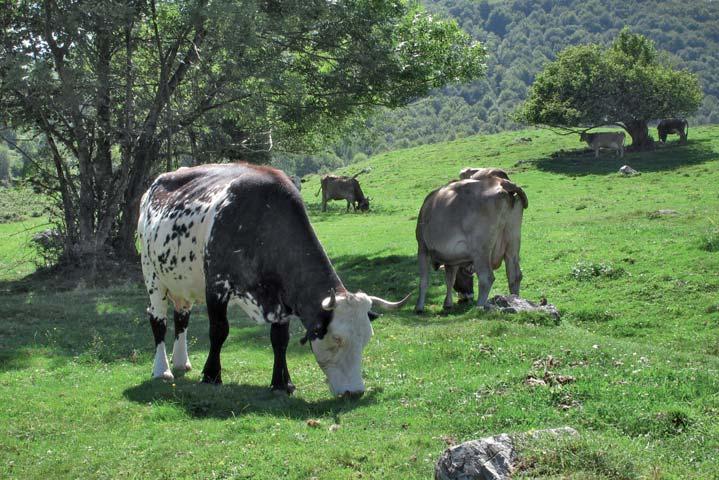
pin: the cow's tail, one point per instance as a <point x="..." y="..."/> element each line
<point x="514" y="190"/>
<point x="364" y="170"/>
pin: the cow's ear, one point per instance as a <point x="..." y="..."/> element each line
<point x="373" y="315"/>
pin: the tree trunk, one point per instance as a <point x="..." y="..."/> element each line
<point x="124" y="244"/>
<point x="639" y="131"/>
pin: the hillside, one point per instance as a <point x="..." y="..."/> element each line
<point x="640" y="320"/>
<point x="523" y="35"/>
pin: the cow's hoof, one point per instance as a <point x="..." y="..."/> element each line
<point x="212" y="380"/>
<point x="166" y="375"/>
<point x="183" y="368"/>
<point x="284" y="389"/>
<point x="446" y="308"/>
<point x="419" y="311"/>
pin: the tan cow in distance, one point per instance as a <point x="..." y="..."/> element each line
<point x="613" y="140"/>
<point x="479" y="172"/>
<point x="473" y="221"/>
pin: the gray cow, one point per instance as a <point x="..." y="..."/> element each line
<point x="334" y="187"/>
<point x="472" y="221"/>
<point x="613" y="140"/>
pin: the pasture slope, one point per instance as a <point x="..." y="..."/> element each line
<point x="638" y="290"/>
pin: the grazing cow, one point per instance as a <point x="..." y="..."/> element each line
<point x="296" y="181"/>
<point x="673" y="125"/>
<point x="237" y="232"/>
<point x="338" y="188"/>
<point x="613" y="140"/>
<point x="472" y="221"/>
<point x="477" y="173"/>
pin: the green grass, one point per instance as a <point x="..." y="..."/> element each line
<point x="642" y="344"/>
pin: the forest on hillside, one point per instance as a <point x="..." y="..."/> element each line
<point x="521" y="36"/>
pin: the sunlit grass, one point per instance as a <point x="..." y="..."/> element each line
<point x="642" y="345"/>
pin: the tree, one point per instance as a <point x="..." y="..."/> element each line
<point x="122" y="88"/>
<point x="626" y="84"/>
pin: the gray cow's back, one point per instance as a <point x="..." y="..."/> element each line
<point x="468" y="219"/>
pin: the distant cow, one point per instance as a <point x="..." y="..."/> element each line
<point x="477" y="173"/>
<point x="296" y="181"/>
<point x="334" y="187"/>
<point x="220" y="234"/>
<point x="613" y="140"/>
<point x="471" y="221"/>
<point x="673" y="125"/>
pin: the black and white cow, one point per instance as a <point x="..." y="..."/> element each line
<point x="237" y="232"/>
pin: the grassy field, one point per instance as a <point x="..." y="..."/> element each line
<point x="638" y="290"/>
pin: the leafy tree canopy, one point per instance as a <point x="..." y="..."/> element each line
<point x="538" y="30"/>
<point x="626" y="83"/>
<point x="122" y="89"/>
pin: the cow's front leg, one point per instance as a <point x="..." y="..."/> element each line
<point x="219" y="329"/>
<point x="280" y="337"/>
<point x="180" y="358"/>
<point x="158" y="322"/>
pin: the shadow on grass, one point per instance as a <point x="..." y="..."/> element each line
<point x="234" y="400"/>
<point x="665" y="157"/>
<point x="334" y="211"/>
<point x="66" y="320"/>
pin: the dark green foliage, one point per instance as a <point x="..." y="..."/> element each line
<point x="710" y="241"/>
<point x="590" y="86"/>
<point x="122" y="90"/>
<point x="537" y="32"/>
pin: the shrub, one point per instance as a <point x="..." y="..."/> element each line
<point x="710" y="241"/>
<point x="49" y="245"/>
<point x="584" y="271"/>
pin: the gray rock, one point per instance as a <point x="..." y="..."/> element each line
<point x="490" y="458"/>
<point x="627" y="170"/>
<point x="514" y="304"/>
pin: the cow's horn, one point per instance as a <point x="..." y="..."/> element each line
<point x="389" y="305"/>
<point x="330" y="302"/>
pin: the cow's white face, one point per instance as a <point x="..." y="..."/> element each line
<point x="339" y="353"/>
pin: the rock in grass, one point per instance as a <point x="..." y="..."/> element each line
<point x="515" y="304"/>
<point x="628" y="171"/>
<point x="490" y="458"/>
<point x="485" y="459"/>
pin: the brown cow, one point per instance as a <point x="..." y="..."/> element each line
<point x="673" y="125"/>
<point x="338" y="188"/>
<point x="471" y="221"/>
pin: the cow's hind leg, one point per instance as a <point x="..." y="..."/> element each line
<point x="485" y="279"/>
<point x="280" y="338"/>
<point x="158" y="322"/>
<point x="180" y="358"/>
<point x="219" y="329"/>
<point x="450" y="275"/>
<point x="423" y="260"/>
<point x="514" y="273"/>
